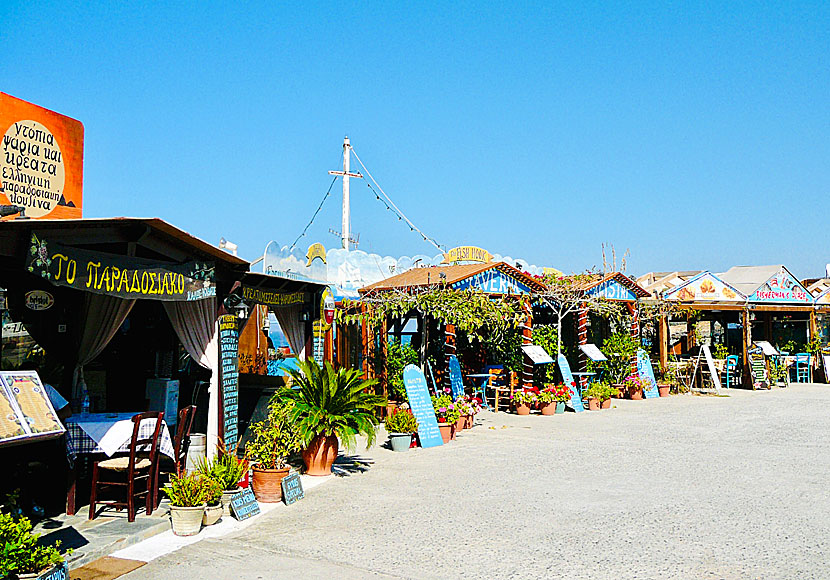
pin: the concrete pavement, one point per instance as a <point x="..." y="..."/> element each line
<point x="683" y="487"/>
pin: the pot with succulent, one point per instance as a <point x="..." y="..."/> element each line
<point x="214" y="509"/>
<point x="635" y="387"/>
<point x="272" y="441"/>
<point x="226" y="469"/>
<point x="523" y="401"/>
<point x="593" y="394"/>
<point x="447" y="416"/>
<point x="21" y="556"/>
<point x="330" y="406"/>
<point x="188" y="496"/>
<point x="401" y="425"/>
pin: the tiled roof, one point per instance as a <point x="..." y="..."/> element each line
<point x="421" y="277"/>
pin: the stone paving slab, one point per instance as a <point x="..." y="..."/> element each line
<point x="681" y="487"/>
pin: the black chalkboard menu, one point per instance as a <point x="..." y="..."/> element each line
<point x="244" y="504"/>
<point x="292" y="489"/>
<point x="229" y="363"/>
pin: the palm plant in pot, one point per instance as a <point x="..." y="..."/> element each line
<point x="400" y="426"/>
<point x="274" y="439"/>
<point x="330" y="404"/>
<point x="188" y="496"/>
<point x="227" y="469"/>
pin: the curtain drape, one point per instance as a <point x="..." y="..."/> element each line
<point x="292" y="327"/>
<point x="102" y="317"/>
<point x="194" y="325"/>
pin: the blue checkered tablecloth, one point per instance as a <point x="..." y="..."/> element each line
<point x="78" y="441"/>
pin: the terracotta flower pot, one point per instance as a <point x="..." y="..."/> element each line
<point x="664" y="390"/>
<point x="453" y="431"/>
<point x="266" y="484"/>
<point x="522" y="409"/>
<point x="547" y="408"/>
<point x="622" y="391"/>
<point x="460" y="425"/>
<point x="320" y="454"/>
<point x="446" y="431"/>
<point x="593" y="404"/>
<point x="636" y="394"/>
<point x="606" y="404"/>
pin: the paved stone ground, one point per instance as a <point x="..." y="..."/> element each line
<point x="681" y="487"/>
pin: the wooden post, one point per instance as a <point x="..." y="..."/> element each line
<point x="663" y="337"/>
<point x="582" y="339"/>
<point x="365" y="337"/>
<point x="747" y="341"/>
<point x="690" y="331"/>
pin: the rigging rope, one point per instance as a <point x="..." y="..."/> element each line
<point x="319" y="207"/>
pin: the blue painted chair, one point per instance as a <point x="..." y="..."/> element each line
<point x="803" y="368"/>
<point x="732" y="372"/>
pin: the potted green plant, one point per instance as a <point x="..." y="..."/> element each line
<point x="400" y="426"/>
<point x="227" y="469"/>
<point x="547" y="401"/>
<point x="20" y="554"/>
<point x="274" y="439"/>
<point x="562" y="394"/>
<point x="213" y="510"/>
<point x="330" y="404"/>
<point x="188" y="496"/>
<point x="523" y="401"/>
<point x="447" y="416"/>
<point x="606" y="392"/>
<point x="593" y="394"/>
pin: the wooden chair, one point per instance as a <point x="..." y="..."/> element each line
<point x="180" y="446"/>
<point x="136" y="473"/>
<point x="500" y="385"/>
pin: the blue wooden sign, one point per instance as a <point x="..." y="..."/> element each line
<point x="61" y="572"/>
<point x="647" y="375"/>
<point x="493" y="281"/>
<point x="244" y="504"/>
<point x="612" y="290"/>
<point x="568" y="378"/>
<point x="292" y="488"/>
<point x="421" y="405"/>
<point x="456" y="382"/>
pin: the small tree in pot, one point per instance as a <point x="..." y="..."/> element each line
<point x="274" y="439"/>
<point x="400" y="426"/>
<point x="188" y="496"/>
<point x="330" y="404"/>
<point x="227" y="469"/>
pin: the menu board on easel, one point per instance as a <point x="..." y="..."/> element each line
<point x="229" y="363"/>
<point x="26" y="413"/>
<point x="420" y="403"/>
<point x="758" y="368"/>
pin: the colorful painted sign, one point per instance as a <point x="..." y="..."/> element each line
<point x="456" y="381"/>
<point x="782" y="287"/>
<point x="420" y="403"/>
<point x="119" y="276"/>
<point x="244" y="504"/>
<point x="42" y="160"/>
<point x="612" y="290"/>
<point x="39" y="300"/>
<point x="705" y="287"/>
<point x="229" y="365"/>
<point x="292" y="488"/>
<point x="25" y="409"/>
<point x="467" y="254"/>
<point x="568" y="379"/>
<point x="271" y="298"/>
<point x="646" y="372"/>
<point x="493" y="281"/>
<point x="327" y="309"/>
<point x="315" y="251"/>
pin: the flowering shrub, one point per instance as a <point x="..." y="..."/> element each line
<point x="555" y="393"/>
<point x="445" y="409"/>
<point x="468" y="404"/>
<point x="635" y="383"/>
<point x="524" y="398"/>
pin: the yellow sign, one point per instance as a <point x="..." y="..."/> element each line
<point x="551" y="272"/>
<point x="315" y="250"/>
<point x="467" y="254"/>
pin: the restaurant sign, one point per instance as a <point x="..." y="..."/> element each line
<point x="467" y="254"/>
<point x="493" y="281"/>
<point x="782" y="287"/>
<point x="125" y="277"/>
<point x="705" y="287"/>
<point x="272" y="298"/>
<point x="612" y="290"/>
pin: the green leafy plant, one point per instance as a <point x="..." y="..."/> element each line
<point x="601" y="391"/>
<point x="445" y="409"/>
<point x="274" y="438"/>
<point x="189" y="490"/>
<point x="224" y="468"/>
<point x="720" y="351"/>
<point x="619" y="348"/>
<point x="524" y="398"/>
<point x="332" y="402"/>
<point x="19" y="549"/>
<point x="546" y="397"/>
<point x="401" y="421"/>
<point x="214" y="491"/>
<point x="398" y="355"/>
<point x="545" y="335"/>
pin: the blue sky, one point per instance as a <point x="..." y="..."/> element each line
<point x="696" y="136"/>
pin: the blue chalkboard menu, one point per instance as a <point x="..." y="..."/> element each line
<point x="456" y="382"/>
<point x="229" y="363"/>
<point x="244" y="504"/>
<point x="647" y="375"/>
<point x="568" y="379"/>
<point x="292" y="488"/>
<point x="421" y="404"/>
